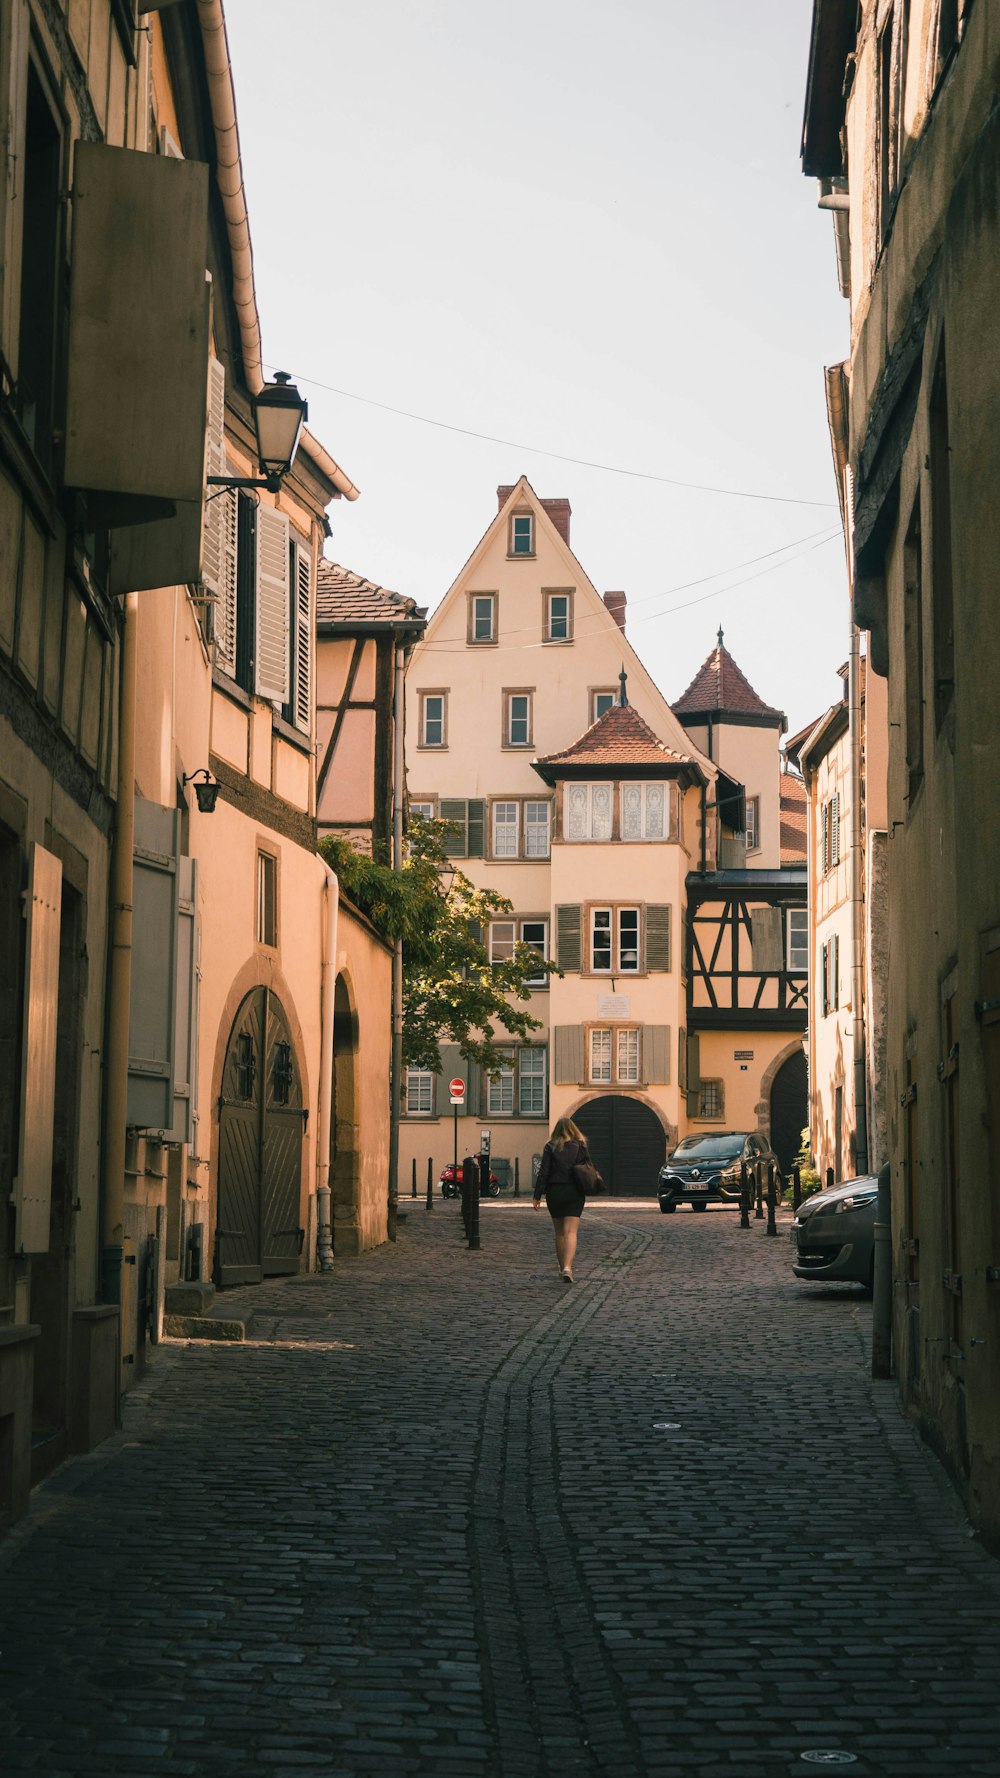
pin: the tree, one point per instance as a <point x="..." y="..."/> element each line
<point x="451" y="990"/>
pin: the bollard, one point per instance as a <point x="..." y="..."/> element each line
<point x="517" y="1177"/>
<point x="772" y="1198"/>
<point x="758" y="1169"/>
<point x="744" y="1195"/>
<point x="830" y="1180"/>
<point x="470" y="1199"/>
<point x="464" y="1187"/>
<point x="796" y="1187"/>
<point x="413" y="1179"/>
<point x="430" y="1183"/>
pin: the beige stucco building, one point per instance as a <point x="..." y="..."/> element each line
<point x="903" y="131"/>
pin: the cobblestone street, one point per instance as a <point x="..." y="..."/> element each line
<point x="441" y="1514"/>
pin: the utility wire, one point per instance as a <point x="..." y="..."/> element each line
<point x="668" y="481"/>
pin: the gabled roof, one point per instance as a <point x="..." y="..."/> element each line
<point x="619" y="743"/>
<point x="792" y="819"/>
<point x="345" y="600"/>
<point x="720" y="689"/>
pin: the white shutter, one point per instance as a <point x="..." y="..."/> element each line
<point x="33" y="1187"/>
<point x="271" y="651"/>
<point x="302" y="709"/>
<point x="153" y="996"/>
<point x="218" y="550"/>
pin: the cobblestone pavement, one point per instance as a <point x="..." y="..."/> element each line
<point x="444" y="1515"/>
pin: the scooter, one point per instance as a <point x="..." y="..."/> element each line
<point x="451" y="1183"/>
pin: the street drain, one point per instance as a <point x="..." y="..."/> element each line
<point x="829" y="1756"/>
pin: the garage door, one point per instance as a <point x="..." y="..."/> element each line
<point x="627" y="1143"/>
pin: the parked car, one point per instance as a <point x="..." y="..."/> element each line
<point x="451" y="1183"/>
<point x="706" y="1169"/>
<point x="833" y="1234"/>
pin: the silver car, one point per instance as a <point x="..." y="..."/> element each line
<point x="834" y="1234"/>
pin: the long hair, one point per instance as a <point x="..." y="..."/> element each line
<point x="566" y="1131"/>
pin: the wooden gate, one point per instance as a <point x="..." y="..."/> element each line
<point x="626" y="1141"/>
<point x="261" y="1119"/>
<point x="789" y="1108"/>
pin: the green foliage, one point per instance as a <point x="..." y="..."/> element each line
<point x="809" y="1179"/>
<point x="451" y="990"/>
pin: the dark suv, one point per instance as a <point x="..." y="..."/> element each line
<point x="705" y="1169"/>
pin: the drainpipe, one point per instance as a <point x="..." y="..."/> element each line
<point x="396" y="1079"/>
<point x="324" y="1134"/>
<point x="119" y="977"/>
<point x="857" y="859"/>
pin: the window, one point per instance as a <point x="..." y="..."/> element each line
<point x="830" y="816"/>
<point x="830" y="967"/>
<point x="283" y="1078"/>
<point x="753" y="824"/>
<point x="532" y="1073"/>
<point x="520" y="829"/>
<point x="522" y="534"/>
<point x="644" y="811"/>
<point x="913" y="652"/>
<point x="711" y="1099"/>
<point x="267" y="899"/>
<point x="536" y="830"/>
<point x="40" y="184"/>
<point x="419" y="1092"/>
<point x="600" y="702"/>
<point x="558" y="617"/>
<point x="614" y="940"/>
<point x="482" y="617"/>
<point x="433" y="719"/>
<point x="517" y="719"/>
<point x="506" y="829"/>
<point x="797" y="941"/>
<point x="504" y="935"/>
<point x="614" y="1055"/>
<point x="500" y="1089"/>
<point x="425" y="810"/>
<point x="587" y="811"/>
<point x="298" y="708"/>
<point x="467" y="824"/>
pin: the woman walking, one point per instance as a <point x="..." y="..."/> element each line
<point x="562" y="1189"/>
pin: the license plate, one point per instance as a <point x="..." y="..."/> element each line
<point x="696" y="1187"/>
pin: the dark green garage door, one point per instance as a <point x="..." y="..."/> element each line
<point x="627" y="1143"/>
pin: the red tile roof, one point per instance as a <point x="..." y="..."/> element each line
<point x="619" y="738"/>
<point x="793" y="819"/>
<point x="720" y="687"/>
<point x="343" y="597"/>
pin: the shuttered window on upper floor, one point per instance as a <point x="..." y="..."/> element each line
<point x="468" y="838"/>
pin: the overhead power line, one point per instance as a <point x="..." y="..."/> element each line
<point x="643" y="475"/>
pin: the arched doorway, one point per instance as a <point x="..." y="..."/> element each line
<point x="789" y="1108"/>
<point x="627" y="1143"/>
<point x="345" y="1161"/>
<point x="261" y="1120"/>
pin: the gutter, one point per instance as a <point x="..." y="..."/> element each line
<point x="229" y="178"/>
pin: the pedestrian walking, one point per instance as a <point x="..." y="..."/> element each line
<point x="565" y="1176"/>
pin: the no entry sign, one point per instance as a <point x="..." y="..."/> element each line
<point x="457" y="1090"/>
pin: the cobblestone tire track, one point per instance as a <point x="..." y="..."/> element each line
<point x="556" y="1701"/>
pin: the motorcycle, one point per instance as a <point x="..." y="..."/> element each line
<point x="451" y="1183"/>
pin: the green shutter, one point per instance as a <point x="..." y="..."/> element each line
<point x="452" y="1065"/>
<point x="455" y="809"/>
<point x="656" y="1055"/>
<point x="477" y="828"/>
<point x="568" y="1055"/>
<point x="658" y="936"/>
<point x="682" y="1059"/>
<point x="693" y="1073"/>
<point x="568" y="936"/>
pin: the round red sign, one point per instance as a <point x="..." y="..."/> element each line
<point x="457" y="1089"/>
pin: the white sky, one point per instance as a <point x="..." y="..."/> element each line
<point x="582" y="228"/>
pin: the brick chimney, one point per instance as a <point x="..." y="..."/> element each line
<point x="559" y="512"/>
<point x="503" y="495"/>
<point x="616" y="603"/>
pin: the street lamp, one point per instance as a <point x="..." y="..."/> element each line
<point x="206" y="788"/>
<point x="279" y="414"/>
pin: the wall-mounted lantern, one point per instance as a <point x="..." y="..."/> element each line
<point x="206" y="788"/>
<point x="279" y="414"/>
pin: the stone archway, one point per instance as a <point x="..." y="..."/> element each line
<point x="627" y="1137"/>
<point x="789" y="1107"/>
<point x="767" y="1081"/>
<point x="345" y="1132"/>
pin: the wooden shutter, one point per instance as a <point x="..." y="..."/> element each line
<point x="835" y="828"/>
<point x="825" y="972"/>
<point x="477" y="828"/>
<point x="186" y="1004"/>
<point x="568" y="923"/>
<point x="452" y="1064"/>
<point x="456" y="845"/>
<point x="656" y="1054"/>
<point x="658" y="936"/>
<point x="835" y="970"/>
<point x="33" y="1187"/>
<point x="768" y="949"/>
<point x="218" y="549"/>
<point x="682" y="1060"/>
<point x="825" y="813"/>
<point x="152" y="1007"/>
<point x="271" y="600"/>
<point x="693" y="1073"/>
<point x="302" y="595"/>
<point x="569" y="1058"/>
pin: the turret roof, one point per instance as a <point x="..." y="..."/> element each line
<point x="620" y="740"/>
<point x="720" y="688"/>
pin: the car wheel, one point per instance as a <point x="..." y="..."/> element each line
<point x="668" y="1209"/>
<point x="699" y="1204"/>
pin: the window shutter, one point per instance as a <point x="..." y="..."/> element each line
<point x="455" y="809"/>
<point x="477" y="828"/>
<point x="568" y="936"/>
<point x="693" y="1073"/>
<point x="835" y="970"/>
<point x="33" y="1187"/>
<point x="835" y="828"/>
<point x="271" y="653"/>
<point x="152" y="1008"/>
<point x="825" y="957"/>
<point x="474" y="1085"/>
<point x="218" y="548"/>
<point x="569" y="1061"/>
<point x="186" y="1021"/>
<point x="658" y="936"/>
<point x="302" y="594"/>
<point x="656" y="1054"/>
<point x="452" y="1064"/>
<point x="768" y="951"/>
<point x="682" y="1060"/>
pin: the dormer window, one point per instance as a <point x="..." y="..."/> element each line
<point x="522" y="534"/>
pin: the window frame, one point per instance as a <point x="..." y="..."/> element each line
<point x="522" y="804"/>
<point x="718" y="1116"/>
<point x="613" y="1032"/>
<point x="548" y="594"/>
<point x="522" y="514"/>
<point x="753" y="823"/>
<point x="268" y="863"/>
<point x="601" y="691"/>
<point x="644" y="837"/>
<point x="615" y="910"/>
<point x="589" y="837"/>
<point x="793" y="968"/>
<point x="510" y="693"/>
<point x="516" y="925"/>
<point x="472" y="639"/>
<point x="423" y="1075"/>
<point x="422" y="741"/>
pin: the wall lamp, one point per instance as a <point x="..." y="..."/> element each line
<point x="206" y="790"/>
<point x="279" y="414"/>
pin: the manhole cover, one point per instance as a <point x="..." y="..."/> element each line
<point x="830" y="1756"/>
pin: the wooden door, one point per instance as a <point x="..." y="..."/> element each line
<point x="626" y="1141"/>
<point x="261" y="1119"/>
